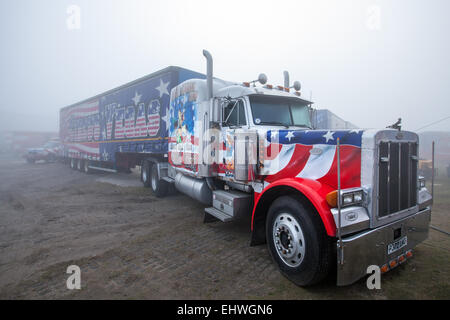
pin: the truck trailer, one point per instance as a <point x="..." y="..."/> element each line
<point x="322" y="200"/>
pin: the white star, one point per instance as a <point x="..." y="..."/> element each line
<point x="355" y="131"/>
<point x="273" y="134"/>
<point x="162" y="88"/>
<point x="105" y="155"/>
<point x="166" y="119"/>
<point x="290" y="135"/>
<point x="328" y="136"/>
<point x="137" y="98"/>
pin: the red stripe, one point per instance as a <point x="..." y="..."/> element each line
<point x="350" y="169"/>
<point x="296" y="164"/>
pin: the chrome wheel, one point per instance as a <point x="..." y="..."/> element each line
<point x="288" y="239"/>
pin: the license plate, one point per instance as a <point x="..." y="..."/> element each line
<point x="397" y="245"/>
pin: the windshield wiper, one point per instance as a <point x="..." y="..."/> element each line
<point x="274" y="123"/>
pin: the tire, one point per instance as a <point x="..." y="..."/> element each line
<point x="146" y="174"/>
<point x="79" y="165"/>
<point x="297" y="241"/>
<point x="86" y="168"/>
<point x="73" y="163"/>
<point x="30" y="161"/>
<point x="159" y="187"/>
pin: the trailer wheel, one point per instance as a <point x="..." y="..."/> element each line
<point x="86" y="168"/>
<point x="80" y="165"/>
<point x="145" y="174"/>
<point x="297" y="241"/>
<point x="73" y="164"/>
<point x="159" y="187"/>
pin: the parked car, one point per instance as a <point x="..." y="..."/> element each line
<point x="49" y="152"/>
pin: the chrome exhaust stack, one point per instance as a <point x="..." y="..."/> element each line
<point x="209" y="73"/>
<point x="286" y="79"/>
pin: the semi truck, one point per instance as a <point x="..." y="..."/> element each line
<point x="324" y="201"/>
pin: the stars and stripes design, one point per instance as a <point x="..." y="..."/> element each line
<point x="311" y="154"/>
<point x="129" y="122"/>
<point x="119" y="129"/>
<point x="141" y="123"/>
<point x="153" y="117"/>
<point x="80" y="130"/>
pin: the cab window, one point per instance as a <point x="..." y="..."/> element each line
<point x="234" y="114"/>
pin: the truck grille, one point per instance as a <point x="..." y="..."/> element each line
<point x="397" y="177"/>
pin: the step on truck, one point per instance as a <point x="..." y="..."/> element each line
<point x="324" y="201"/>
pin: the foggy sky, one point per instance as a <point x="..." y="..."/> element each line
<point x="369" y="71"/>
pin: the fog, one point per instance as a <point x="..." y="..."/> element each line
<point x="370" y="62"/>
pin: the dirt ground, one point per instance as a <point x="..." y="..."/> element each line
<point x="131" y="245"/>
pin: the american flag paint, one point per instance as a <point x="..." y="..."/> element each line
<point x="311" y="154"/>
<point x="133" y="118"/>
<point x="77" y="130"/>
<point x="141" y="128"/>
<point x="119" y="130"/>
<point x="129" y="122"/>
<point x="153" y="118"/>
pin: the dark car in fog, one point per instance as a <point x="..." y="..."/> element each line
<point x="49" y="152"/>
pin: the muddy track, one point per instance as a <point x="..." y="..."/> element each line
<point x="130" y="244"/>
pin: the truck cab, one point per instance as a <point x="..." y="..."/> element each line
<point x="318" y="198"/>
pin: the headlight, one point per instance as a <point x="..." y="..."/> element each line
<point x="354" y="196"/>
<point x="347" y="199"/>
<point x="358" y="196"/>
<point x="351" y="197"/>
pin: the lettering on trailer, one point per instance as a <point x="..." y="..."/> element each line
<point x="80" y="130"/>
<point x="139" y="112"/>
<point x="136" y="112"/>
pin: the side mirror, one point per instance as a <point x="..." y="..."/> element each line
<point x="216" y="113"/>
<point x="297" y="86"/>
<point x="262" y="78"/>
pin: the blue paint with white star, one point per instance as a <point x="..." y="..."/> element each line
<point x="311" y="137"/>
<point x="151" y="96"/>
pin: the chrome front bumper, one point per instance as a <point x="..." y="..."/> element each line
<point x="371" y="247"/>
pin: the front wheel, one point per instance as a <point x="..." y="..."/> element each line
<point x="297" y="241"/>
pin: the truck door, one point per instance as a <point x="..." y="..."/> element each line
<point x="238" y="145"/>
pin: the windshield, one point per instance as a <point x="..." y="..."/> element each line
<point x="269" y="110"/>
